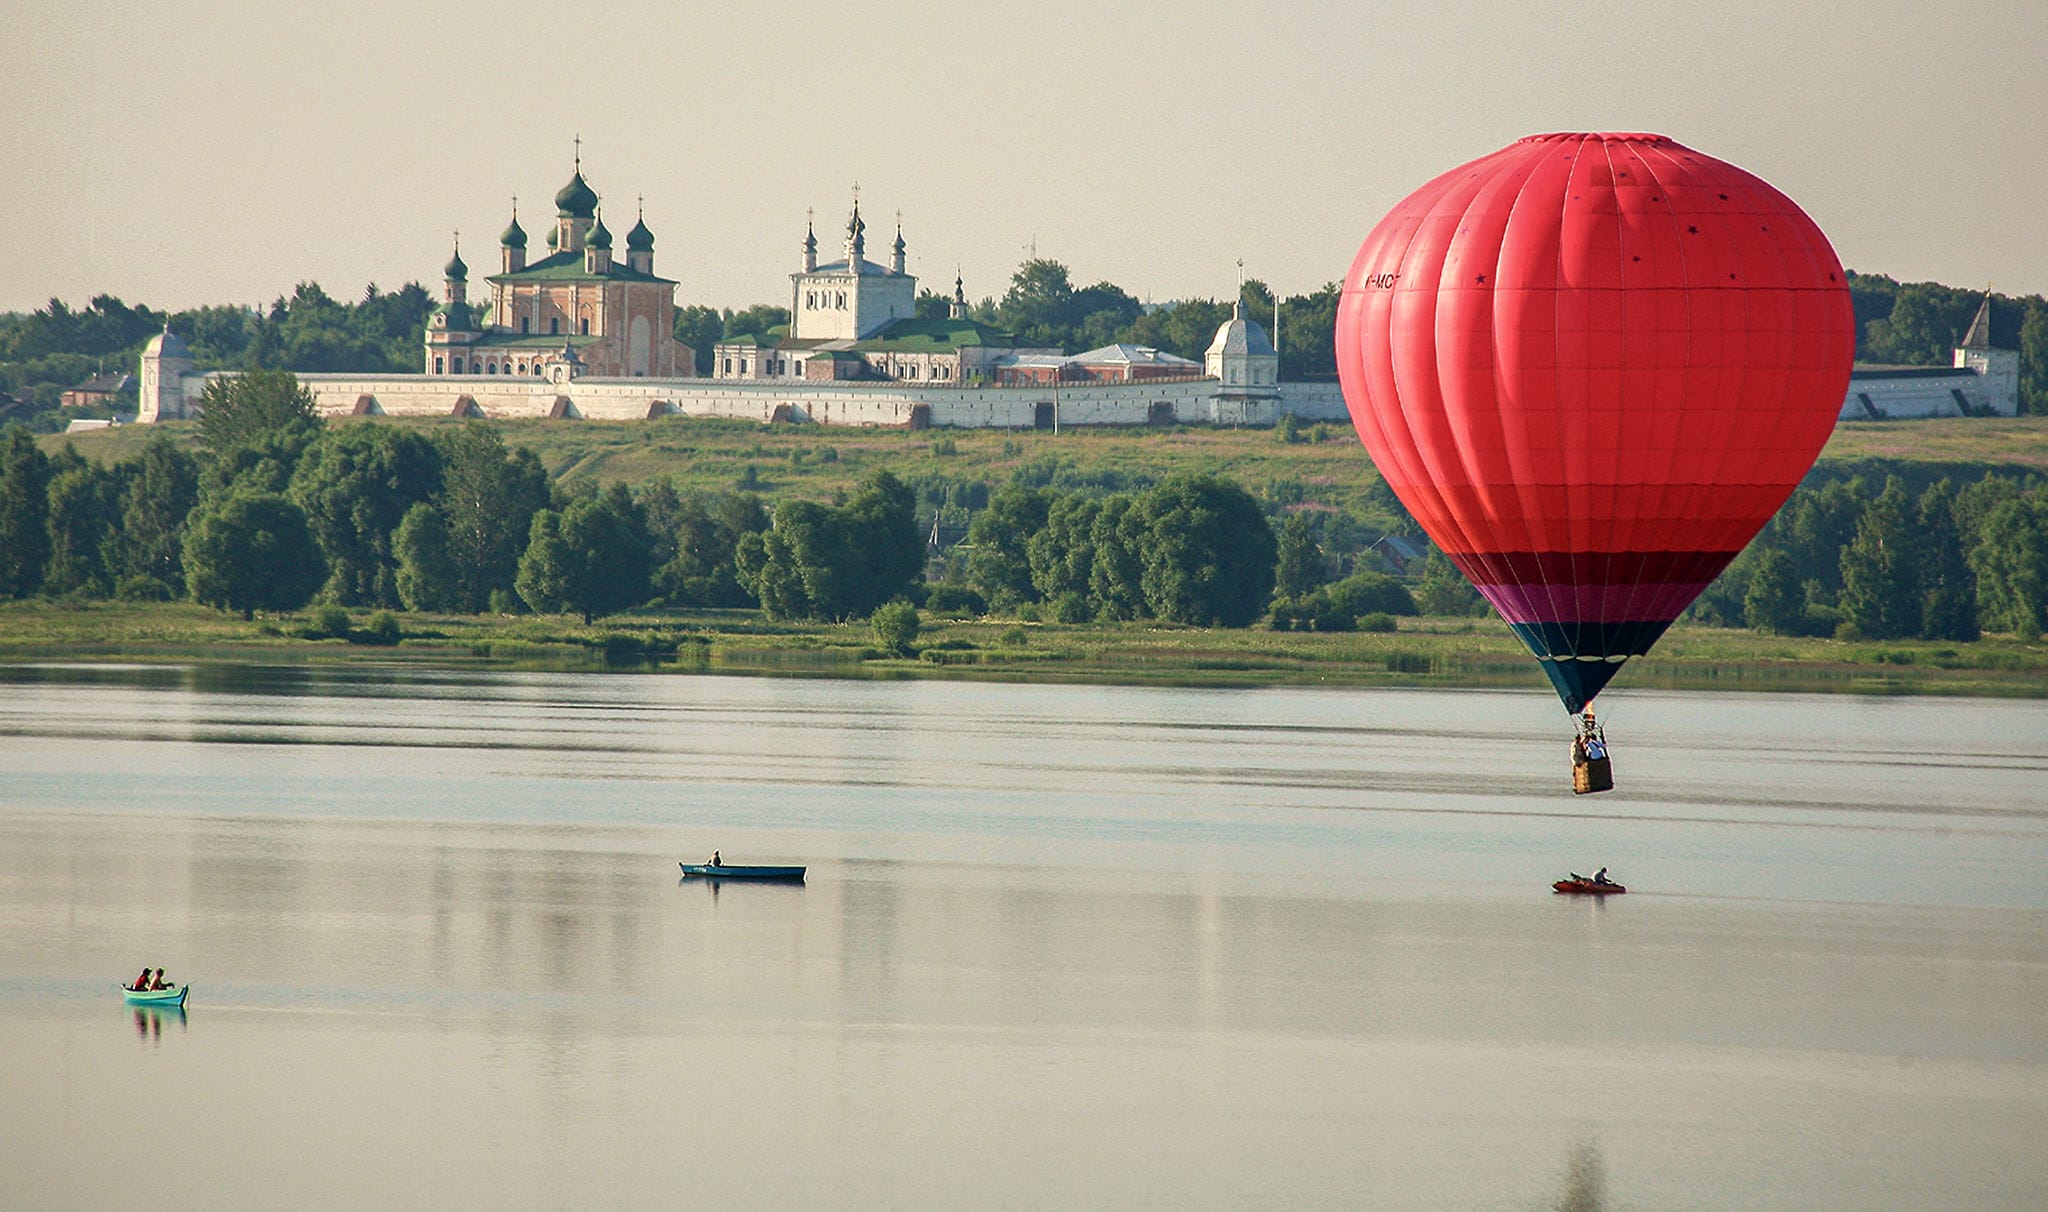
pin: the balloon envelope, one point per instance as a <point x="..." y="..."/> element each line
<point x="1592" y="366"/>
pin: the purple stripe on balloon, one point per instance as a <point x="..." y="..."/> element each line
<point x="1656" y="601"/>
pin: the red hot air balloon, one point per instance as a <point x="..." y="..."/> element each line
<point x="1592" y="366"/>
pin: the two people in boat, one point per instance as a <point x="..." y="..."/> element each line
<point x="1590" y="745"/>
<point x="149" y="984"/>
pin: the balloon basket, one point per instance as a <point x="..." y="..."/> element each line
<point x="1591" y="775"/>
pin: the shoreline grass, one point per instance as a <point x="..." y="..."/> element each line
<point x="1425" y="652"/>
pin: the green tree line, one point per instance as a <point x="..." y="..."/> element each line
<point x="277" y="510"/>
<point x="55" y="347"/>
<point x="1849" y="559"/>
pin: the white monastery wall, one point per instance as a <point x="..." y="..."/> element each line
<point x="1891" y="396"/>
<point x="1870" y="397"/>
<point x="1314" y="401"/>
<point x="1185" y="401"/>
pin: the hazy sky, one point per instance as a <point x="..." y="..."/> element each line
<point x="186" y="153"/>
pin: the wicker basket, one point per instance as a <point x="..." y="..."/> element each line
<point x="1591" y="775"/>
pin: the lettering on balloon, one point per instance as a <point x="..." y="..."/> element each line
<point x="1380" y="281"/>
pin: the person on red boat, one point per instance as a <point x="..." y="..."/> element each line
<point x="1600" y="877"/>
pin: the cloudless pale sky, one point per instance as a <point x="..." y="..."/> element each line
<point x="177" y="154"/>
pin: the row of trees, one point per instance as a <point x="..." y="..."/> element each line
<point x="1843" y="559"/>
<point x="278" y="510"/>
<point x="54" y="347"/>
<point x="1192" y="549"/>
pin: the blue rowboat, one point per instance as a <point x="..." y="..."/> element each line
<point x="785" y="875"/>
<point x="173" y="995"/>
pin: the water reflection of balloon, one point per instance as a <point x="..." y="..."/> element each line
<point x="1592" y="366"/>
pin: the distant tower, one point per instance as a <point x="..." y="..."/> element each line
<point x="512" y="245"/>
<point x="958" y="308"/>
<point x="1998" y="369"/>
<point x="597" y="249"/>
<point x="810" y="244"/>
<point x="161" y="382"/>
<point x="896" y="258"/>
<point x="1243" y="362"/>
<point x="640" y="244"/>
<point x="455" y="282"/>
<point x="452" y="327"/>
<point x="575" y="209"/>
<point x="856" y="239"/>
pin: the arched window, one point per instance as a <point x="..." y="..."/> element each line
<point x="440" y="366"/>
<point x="491" y="368"/>
<point x="523" y="322"/>
<point x="554" y="326"/>
<point x="457" y="366"/>
<point x="586" y="326"/>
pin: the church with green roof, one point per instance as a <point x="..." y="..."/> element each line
<point x="578" y="311"/>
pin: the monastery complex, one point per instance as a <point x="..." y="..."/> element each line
<point x="583" y="333"/>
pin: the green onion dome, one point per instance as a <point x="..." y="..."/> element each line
<point x="456" y="270"/>
<point x="640" y="239"/>
<point x="515" y="235"/>
<point x="577" y="200"/>
<point x="600" y="237"/>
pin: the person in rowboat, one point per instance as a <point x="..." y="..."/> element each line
<point x="715" y="860"/>
<point x="1600" y="877"/>
<point x="157" y="982"/>
<point x="141" y="982"/>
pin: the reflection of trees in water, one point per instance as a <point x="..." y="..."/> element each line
<point x="1585" y="1180"/>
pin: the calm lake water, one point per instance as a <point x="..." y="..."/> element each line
<point x="1060" y="946"/>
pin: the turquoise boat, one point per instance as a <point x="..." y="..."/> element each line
<point x="172" y="995"/>
<point x="726" y="871"/>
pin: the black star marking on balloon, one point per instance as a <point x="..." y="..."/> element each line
<point x="1692" y="231"/>
<point x="1480" y="279"/>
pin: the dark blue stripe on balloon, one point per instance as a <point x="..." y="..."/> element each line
<point x="1559" y="647"/>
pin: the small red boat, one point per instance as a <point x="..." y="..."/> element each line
<point x="1579" y="885"/>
